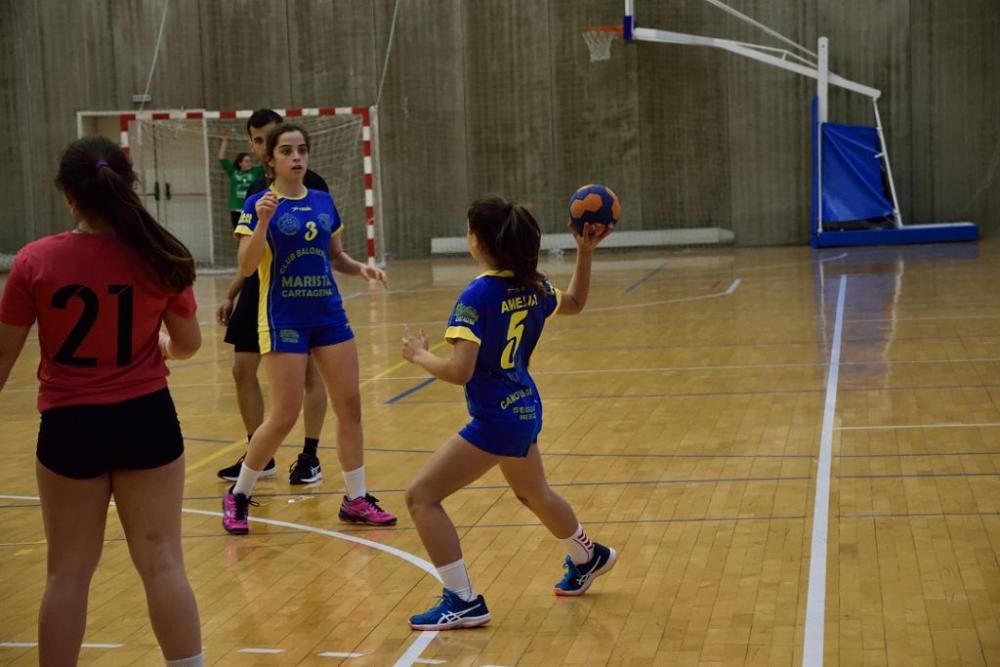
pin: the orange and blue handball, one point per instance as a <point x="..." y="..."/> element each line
<point x="594" y="203"/>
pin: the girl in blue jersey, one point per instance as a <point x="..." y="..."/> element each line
<point x="494" y="329"/>
<point x="290" y="235"/>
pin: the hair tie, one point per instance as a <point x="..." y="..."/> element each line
<point x="102" y="163"/>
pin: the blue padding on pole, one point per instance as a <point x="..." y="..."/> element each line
<point x="852" y="174"/>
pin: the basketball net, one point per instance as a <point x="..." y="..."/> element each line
<point x="599" y="41"/>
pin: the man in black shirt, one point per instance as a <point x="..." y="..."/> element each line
<point x="241" y="332"/>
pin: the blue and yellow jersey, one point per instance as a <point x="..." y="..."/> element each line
<point x="296" y="280"/>
<point x="506" y="320"/>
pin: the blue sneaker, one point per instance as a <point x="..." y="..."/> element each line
<point x="579" y="577"/>
<point x="452" y="612"/>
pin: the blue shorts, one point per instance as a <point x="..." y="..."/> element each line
<point x="299" y="340"/>
<point x="511" y="438"/>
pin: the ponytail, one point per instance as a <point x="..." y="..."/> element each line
<point x="98" y="177"/>
<point x="511" y="236"/>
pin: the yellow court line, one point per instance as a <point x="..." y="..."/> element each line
<point x="204" y="461"/>
<point x="398" y="366"/>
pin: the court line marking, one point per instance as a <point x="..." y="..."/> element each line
<point x="646" y="277"/>
<point x="892" y="427"/>
<point x="267" y="651"/>
<point x="918" y="475"/>
<point x="202" y="462"/>
<point x="733" y="286"/>
<point x="412" y="390"/>
<point x="727" y="292"/>
<point x="339" y="654"/>
<point x="812" y="644"/>
<point x="504" y="487"/>
<point x="422" y="641"/>
<point x="34" y="644"/>
<point x="412" y="654"/>
<point x="585" y="371"/>
<point x="904" y="515"/>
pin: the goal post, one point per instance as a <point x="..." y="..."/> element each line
<point x="176" y="157"/>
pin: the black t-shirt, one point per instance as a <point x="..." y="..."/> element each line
<point x="313" y="181"/>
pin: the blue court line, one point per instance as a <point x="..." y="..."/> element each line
<point x="907" y="454"/>
<point x="644" y="278"/>
<point x="659" y="455"/>
<point x="602" y="522"/>
<point x="921" y="474"/>
<point x="412" y="390"/>
<point x="506" y="487"/>
<point x="922" y="515"/>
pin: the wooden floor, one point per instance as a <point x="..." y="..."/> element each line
<point x="684" y="420"/>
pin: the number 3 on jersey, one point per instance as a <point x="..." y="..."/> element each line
<point x="515" y="330"/>
<point x="311" y="230"/>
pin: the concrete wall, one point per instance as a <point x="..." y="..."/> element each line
<point x="499" y="96"/>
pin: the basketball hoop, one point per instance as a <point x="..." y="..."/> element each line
<point x="599" y="40"/>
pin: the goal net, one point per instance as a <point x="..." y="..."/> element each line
<point x="185" y="185"/>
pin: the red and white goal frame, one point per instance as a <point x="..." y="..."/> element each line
<point x="368" y="115"/>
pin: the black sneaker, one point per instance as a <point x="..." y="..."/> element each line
<point x="232" y="473"/>
<point x="305" y="470"/>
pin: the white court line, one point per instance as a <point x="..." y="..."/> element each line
<point x="728" y="291"/>
<point x="266" y="651"/>
<point x="416" y="648"/>
<point x="812" y="647"/>
<point x="891" y="427"/>
<point x="338" y="654"/>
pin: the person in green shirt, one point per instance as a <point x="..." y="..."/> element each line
<point x="242" y="172"/>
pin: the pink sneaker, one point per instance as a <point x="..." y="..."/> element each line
<point x="236" y="512"/>
<point x="365" y="510"/>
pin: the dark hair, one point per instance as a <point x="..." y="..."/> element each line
<point x="511" y="236"/>
<point x="96" y="175"/>
<point x="275" y="134"/>
<point x="239" y="158"/>
<point x="263" y="117"/>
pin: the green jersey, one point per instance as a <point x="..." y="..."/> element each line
<point x="239" y="182"/>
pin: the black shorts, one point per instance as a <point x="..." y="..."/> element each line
<point x="241" y="332"/>
<point x="87" y="441"/>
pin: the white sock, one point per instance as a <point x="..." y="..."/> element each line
<point x="456" y="579"/>
<point x="246" y="480"/>
<point x="355" y="481"/>
<point x="193" y="661"/>
<point x="578" y="546"/>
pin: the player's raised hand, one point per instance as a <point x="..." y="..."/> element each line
<point x="265" y="207"/>
<point x="592" y="235"/>
<point x="371" y="273"/>
<point x="413" y="344"/>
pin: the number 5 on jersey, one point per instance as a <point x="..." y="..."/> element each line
<point x="515" y="330"/>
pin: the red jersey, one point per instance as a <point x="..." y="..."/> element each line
<point x="99" y="313"/>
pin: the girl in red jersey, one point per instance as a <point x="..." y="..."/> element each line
<point x="99" y="294"/>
